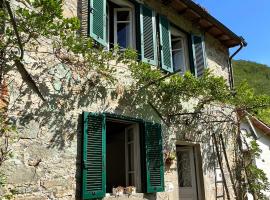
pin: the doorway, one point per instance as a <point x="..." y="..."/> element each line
<point x="187" y="175"/>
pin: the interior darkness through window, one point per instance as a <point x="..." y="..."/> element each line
<point x="115" y="154"/>
<point x="120" y="28"/>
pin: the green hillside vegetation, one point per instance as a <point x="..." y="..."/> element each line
<point x="257" y="76"/>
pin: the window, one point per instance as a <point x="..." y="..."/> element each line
<point x="179" y="50"/>
<point x="123" y="27"/>
<point x="121" y="24"/>
<point x="173" y="47"/>
<point x="120" y="151"/>
<point x="123" y="157"/>
<point x="133" y="24"/>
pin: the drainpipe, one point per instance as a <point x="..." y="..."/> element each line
<point x="242" y="44"/>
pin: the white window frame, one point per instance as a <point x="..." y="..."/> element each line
<point x="125" y="5"/>
<point x="116" y="10"/>
<point x="137" y="157"/>
<point x="183" y="37"/>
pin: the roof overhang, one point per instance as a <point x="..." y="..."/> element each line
<point x="206" y="22"/>
<point x="263" y="127"/>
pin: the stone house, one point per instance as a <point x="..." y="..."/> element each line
<point x="254" y="129"/>
<point x="80" y="144"/>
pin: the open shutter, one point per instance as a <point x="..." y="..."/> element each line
<point x="148" y="35"/>
<point x="154" y="158"/>
<point x="198" y="55"/>
<point x="97" y="21"/>
<point x="165" y="44"/>
<point x="94" y="156"/>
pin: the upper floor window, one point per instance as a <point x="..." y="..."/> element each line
<point x="179" y="50"/>
<point x="158" y="42"/>
<point x="120" y="25"/>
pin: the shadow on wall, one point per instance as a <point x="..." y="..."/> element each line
<point x="57" y="123"/>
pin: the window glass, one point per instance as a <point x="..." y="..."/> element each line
<point x="123" y="35"/>
<point x="123" y="27"/>
<point x="184" y="169"/>
<point x="123" y="16"/>
<point x="179" y="50"/>
<point x="177" y="43"/>
<point x="178" y="54"/>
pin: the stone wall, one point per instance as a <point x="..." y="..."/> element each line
<point x="46" y="156"/>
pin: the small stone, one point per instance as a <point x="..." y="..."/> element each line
<point x="34" y="162"/>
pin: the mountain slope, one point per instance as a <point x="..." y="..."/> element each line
<point x="257" y="75"/>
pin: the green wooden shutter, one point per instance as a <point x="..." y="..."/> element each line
<point x="198" y="55"/>
<point x="190" y="53"/>
<point x="97" y="21"/>
<point x="148" y="35"/>
<point x="165" y="44"/>
<point x="94" y="156"/>
<point x="154" y="158"/>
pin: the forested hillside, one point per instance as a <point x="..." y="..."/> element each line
<point x="257" y="76"/>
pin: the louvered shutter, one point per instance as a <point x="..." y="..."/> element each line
<point x="148" y="35"/>
<point x="97" y="21"/>
<point x="198" y="55"/>
<point x="154" y="158"/>
<point x="165" y="44"/>
<point x="94" y="156"/>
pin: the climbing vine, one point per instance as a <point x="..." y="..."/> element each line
<point x="28" y="25"/>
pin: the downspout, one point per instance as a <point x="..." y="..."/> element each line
<point x="242" y="44"/>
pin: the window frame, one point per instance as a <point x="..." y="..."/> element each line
<point x="137" y="156"/>
<point x="130" y="22"/>
<point x="184" y="41"/>
<point x="123" y="5"/>
<point x="148" y="132"/>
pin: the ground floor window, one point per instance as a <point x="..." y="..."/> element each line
<point x="120" y="151"/>
<point x="123" y="155"/>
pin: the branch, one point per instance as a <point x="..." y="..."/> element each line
<point x="13" y="22"/>
<point x="27" y="78"/>
<point x="160" y="79"/>
<point x="158" y="113"/>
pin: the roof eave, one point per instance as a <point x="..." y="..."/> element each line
<point x="207" y="22"/>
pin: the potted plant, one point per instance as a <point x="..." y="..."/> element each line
<point x="169" y="158"/>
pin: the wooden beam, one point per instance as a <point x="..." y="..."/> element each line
<point x="181" y="12"/>
<point x="209" y="28"/>
<point x="166" y="2"/>
<point x="218" y="35"/>
<point x="196" y="21"/>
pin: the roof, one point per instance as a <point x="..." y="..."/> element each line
<point x="261" y="125"/>
<point x="265" y="128"/>
<point x="199" y="16"/>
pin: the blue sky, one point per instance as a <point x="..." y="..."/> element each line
<point x="247" y="18"/>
